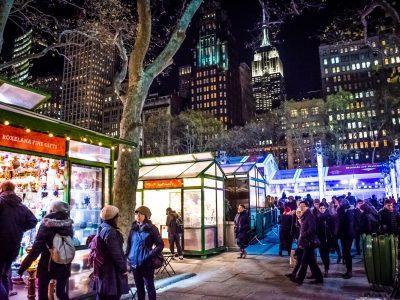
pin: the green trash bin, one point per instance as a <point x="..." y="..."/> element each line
<point x="380" y="258"/>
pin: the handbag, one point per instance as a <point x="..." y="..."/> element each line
<point x="157" y="261"/>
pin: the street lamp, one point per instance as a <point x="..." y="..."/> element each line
<point x="320" y="166"/>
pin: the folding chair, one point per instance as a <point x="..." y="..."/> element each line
<point x="166" y="265"/>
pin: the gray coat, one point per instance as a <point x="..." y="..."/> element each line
<point x="111" y="280"/>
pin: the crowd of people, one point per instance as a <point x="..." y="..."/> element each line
<point x="112" y="263"/>
<point x="331" y="227"/>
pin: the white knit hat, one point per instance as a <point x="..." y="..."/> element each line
<point x="109" y="212"/>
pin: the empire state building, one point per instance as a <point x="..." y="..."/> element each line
<point x="267" y="72"/>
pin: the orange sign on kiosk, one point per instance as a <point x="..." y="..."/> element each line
<point x="163" y="184"/>
<point x="33" y="141"/>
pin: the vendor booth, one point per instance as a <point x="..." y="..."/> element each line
<point x="245" y="185"/>
<point x="192" y="185"/>
<point x="52" y="160"/>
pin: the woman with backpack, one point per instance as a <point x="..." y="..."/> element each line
<point x="112" y="278"/>
<point x="144" y="249"/>
<point x="55" y="222"/>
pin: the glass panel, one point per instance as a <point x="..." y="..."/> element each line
<point x="192" y="208"/>
<point x="79" y="280"/>
<point x="210" y="207"/>
<point x="219" y="173"/>
<point x="38" y="180"/>
<point x="244" y="168"/>
<point x="220" y="184"/>
<point x="144" y="170"/>
<point x="166" y="171"/>
<point x="210" y="182"/>
<point x="19" y="96"/>
<point x="210" y="236"/>
<point x="253" y="196"/>
<point x="192" y="239"/>
<point x="229" y="169"/>
<point x="196" y="169"/>
<point x="138" y="199"/>
<point x="220" y="217"/>
<point x="211" y="170"/>
<point x="89" y="152"/>
<point x="86" y="201"/>
<point x="191" y="182"/>
<point x="107" y="185"/>
<point x="158" y="201"/>
<point x="140" y="185"/>
<point x="261" y="196"/>
<point x="284" y="174"/>
<point x="309" y="172"/>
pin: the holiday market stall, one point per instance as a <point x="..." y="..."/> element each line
<point x="52" y="160"/>
<point x="192" y="185"/>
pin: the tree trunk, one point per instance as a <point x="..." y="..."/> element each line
<point x="125" y="184"/>
<point x="5" y="8"/>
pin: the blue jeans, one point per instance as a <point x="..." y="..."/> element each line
<point x="5" y="268"/>
<point x="144" y="276"/>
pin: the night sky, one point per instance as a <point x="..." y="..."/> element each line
<point x="298" y="47"/>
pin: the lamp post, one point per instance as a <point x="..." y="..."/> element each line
<point x="320" y="166"/>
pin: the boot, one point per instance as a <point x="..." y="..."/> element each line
<point x="244" y="254"/>
<point x="326" y="273"/>
<point x="241" y="254"/>
<point x="347" y="275"/>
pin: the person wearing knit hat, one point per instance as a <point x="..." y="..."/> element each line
<point x="109" y="212"/>
<point x="112" y="281"/>
<point x="143" y="250"/>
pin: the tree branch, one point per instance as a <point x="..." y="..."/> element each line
<point x="142" y="42"/>
<point x="177" y="38"/>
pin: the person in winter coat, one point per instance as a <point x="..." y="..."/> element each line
<point x="298" y="251"/>
<point x="112" y="280"/>
<point x="333" y="211"/>
<point x="242" y="228"/>
<point x="346" y="234"/>
<point x="144" y="244"/>
<point x="15" y="219"/>
<point x="56" y="221"/>
<point x="173" y="232"/>
<point x="369" y="223"/>
<point x="308" y="242"/>
<point x="325" y="236"/>
<point x="286" y="228"/>
<point x="358" y="225"/>
<point x="389" y="219"/>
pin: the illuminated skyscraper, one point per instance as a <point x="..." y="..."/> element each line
<point x="215" y="84"/>
<point x="267" y="72"/>
<point x="88" y="70"/>
<point x="22" y="46"/>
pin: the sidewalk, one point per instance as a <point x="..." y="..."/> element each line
<point x="260" y="276"/>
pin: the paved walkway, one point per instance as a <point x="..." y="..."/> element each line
<point x="261" y="276"/>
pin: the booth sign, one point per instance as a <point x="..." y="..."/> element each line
<point x="163" y="184"/>
<point x="32" y="141"/>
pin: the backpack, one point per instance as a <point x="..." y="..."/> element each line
<point x="63" y="250"/>
<point x="179" y="225"/>
<point x="96" y="253"/>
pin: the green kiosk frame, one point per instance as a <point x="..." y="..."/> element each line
<point x="193" y="186"/>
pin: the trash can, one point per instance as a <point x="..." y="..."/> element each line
<point x="380" y="258"/>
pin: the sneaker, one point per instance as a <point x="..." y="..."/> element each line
<point x="181" y="257"/>
<point x="173" y="258"/>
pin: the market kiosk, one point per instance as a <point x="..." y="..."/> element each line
<point x="192" y="185"/>
<point x="52" y="160"/>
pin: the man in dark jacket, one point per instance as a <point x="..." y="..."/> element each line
<point x="15" y="219"/>
<point x="346" y="234"/>
<point x="56" y="221"/>
<point x="242" y="228"/>
<point x="308" y="241"/>
<point x="174" y="232"/>
<point x="358" y="225"/>
<point x="389" y="219"/>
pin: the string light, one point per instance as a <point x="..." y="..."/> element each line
<point x="112" y="148"/>
<point x="28" y="130"/>
<point x="100" y="144"/>
<point x="130" y="150"/>
<point x="123" y="149"/>
<point x="51" y="135"/>
<point x="85" y="139"/>
<point x="6" y="123"/>
<point x="68" y="138"/>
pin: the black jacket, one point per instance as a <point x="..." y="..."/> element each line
<point x="325" y="227"/>
<point x="346" y="223"/>
<point x="242" y="225"/>
<point x="111" y="281"/>
<point x="15" y="219"/>
<point x="389" y="221"/>
<point x="307" y="229"/>
<point x="369" y="223"/>
<point x="52" y="223"/>
<point x="171" y="223"/>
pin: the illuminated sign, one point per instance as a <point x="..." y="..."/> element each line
<point x="32" y="141"/>
<point x="163" y="184"/>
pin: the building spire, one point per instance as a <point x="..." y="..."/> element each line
<point x="265" y="20"/>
